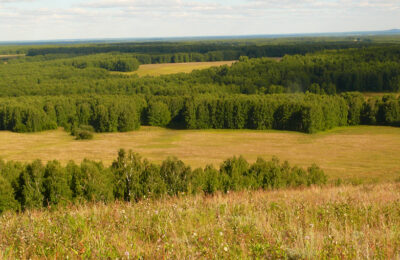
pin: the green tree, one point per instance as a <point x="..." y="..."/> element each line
<point x="158" y="114"/>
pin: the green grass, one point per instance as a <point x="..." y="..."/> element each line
<point x="360" y="222"/>
<point x="369" y="153"/>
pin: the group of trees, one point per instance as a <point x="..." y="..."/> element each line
<point x="371" y="69"/>
<point x="252" y="93"/>
<point x="206" y="50"/>
<point x="103" y="113"/>
<point x="307" y="113"/>
<point x="130" y="178"/>
<point x="116" y="62"/>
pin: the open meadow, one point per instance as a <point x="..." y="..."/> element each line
<point x="370" y="153"/>
<point x="344" y="222"/>
<point x="172" y="68"/>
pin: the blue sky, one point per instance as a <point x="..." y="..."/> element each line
<point x="73" y="19"/>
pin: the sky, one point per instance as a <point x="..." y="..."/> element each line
<point x="80" y="19"/>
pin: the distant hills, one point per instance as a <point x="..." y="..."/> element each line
<point x="188" y="38"/>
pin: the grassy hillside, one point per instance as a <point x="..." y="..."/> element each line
<point x="363" y="152"/>
<point x="340" y="222"/>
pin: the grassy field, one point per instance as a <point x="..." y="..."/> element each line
<point x="171" y="68"/>
<point x="345" y="222"/>
<point x="379" y="94"/>
<point x="363" y="152"/>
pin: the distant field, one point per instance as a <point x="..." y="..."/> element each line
<point x="5" y="58"/>
<point x="171" y="68"/>
<point x="379" y="94"/>
<point x="368" y="152"/>
<point x="8" y="56"/>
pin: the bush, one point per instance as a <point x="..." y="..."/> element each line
<point x="83" y="132"/>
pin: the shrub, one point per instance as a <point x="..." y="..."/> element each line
<point x="83" y="132"/>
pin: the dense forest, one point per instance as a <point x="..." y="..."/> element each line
<point x="131" y="178"/>
<point x="315" y="86"/>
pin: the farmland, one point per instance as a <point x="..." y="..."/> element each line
<point x="369" y="153"/>
<point x="171" y="68"/>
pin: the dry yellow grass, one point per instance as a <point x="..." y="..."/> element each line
<point x="369" y="152"/>
<point x="171" y="68"/>
<point x="360" y="222"/>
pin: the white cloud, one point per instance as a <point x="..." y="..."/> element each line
<point x="146" y="18"/>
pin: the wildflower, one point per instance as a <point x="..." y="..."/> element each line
<point x="221" y="234"/>
<point x="226" y="249"/>
<point x="307" y="238"/>
<point x="194" y="234"/>
<point x="127" y="254"/>
<point x="311" y="225"/>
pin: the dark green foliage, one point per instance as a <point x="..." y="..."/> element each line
<point x="127" y="171"/>
<point x="111" y="62"/>
<point x="90" y="182"/>
<point x="233" y="171"/>
<point x="29" y="191"/>
<point x="315" y="175"/>
<point x="213" y="180"/>
<point x="7" y="200"/>
<point x="305" y="113"/>
<point x="83" y="132"/>
<point x="175" y="174"/>
<point x="355" y="102"/>
<point x="56" y="188"/>
<point x="77" y="114"/>
<point x="131" y="178"/>
<point x="158" y="114"/>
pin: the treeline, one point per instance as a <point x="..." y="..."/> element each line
<point x="116" y="62"/>
<point x="130" y="178"/>
<point x="307" y="113"/>
<point x="104" y="113"/>
<point x="231" y="49"/>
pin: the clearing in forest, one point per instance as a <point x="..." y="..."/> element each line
<point x="172" y="68"/>
<point x="361" y="152"/>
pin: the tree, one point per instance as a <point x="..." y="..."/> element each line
<point x="7" y="200"/>
<point x="158" y="114"/>
<point x="56" y="188"/>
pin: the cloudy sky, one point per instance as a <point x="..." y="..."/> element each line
<point x="77" y="19"/>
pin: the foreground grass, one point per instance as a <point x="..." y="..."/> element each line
<point x="172" y="68"/>
<point x="367" y="153"/>
<point x="341" y="222"/>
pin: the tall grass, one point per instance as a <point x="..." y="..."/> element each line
<point x="333" y="222"/>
